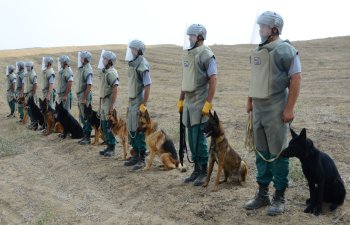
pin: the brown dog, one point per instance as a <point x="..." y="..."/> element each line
<point x="120" y="129"/>
<point x="222" y="153"/>
<point x="22" y="100"/>
<point x="49" y="118"/>
<point x="158" y="142"/>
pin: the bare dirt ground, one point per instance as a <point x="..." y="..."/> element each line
<point x="45" y="180"/>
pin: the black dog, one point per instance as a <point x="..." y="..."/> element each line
<point x="90" y="116"/>
<point x="70" y="125"/>
<point x="36" y="113"/>
<point x="325" y="183"/>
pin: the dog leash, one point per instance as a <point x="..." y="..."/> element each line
<point x="249" y="140"/>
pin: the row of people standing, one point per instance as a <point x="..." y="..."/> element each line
<point x="275" y="83"/>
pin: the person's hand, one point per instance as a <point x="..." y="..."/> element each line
<point x="143" y="108"/>
<point x="206" y="108"/>
<point x="180" y="105"/>
<point x="287" y="115"/>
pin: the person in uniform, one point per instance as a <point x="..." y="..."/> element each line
<point x="108" y="90"/>
<point x="196" y="97"/>
<point x="64" y="82"/>
<point x="274" y="89"/>
<point x="10" y="89"/>
<point x="48" y="80"/>
<point x="29" y="87"/>
<point x="139" y="86"/>
<point x="84" y="93"/>
<point x="20" y="76"/>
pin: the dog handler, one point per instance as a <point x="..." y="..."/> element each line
<point x="274" y="89"/>
<point x="64" y="84"/>
<point x="20" y="76"/>
<point x="48" y="80"/>
<point x="83" y="91"/>
<point x="29" y="89"/>
<point x="108" y="90"/>
<point x="139" y="86"/>
<point x="197" y="93"/>
<point x="10" y="89"/>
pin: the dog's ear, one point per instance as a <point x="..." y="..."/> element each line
<point x="114" y="113"/>
<point x="303" y="134"/>
<point x="216" y="118"/>
<point x="292" y="132"/>
<point x="56" y="104"/>
<point x="210" y="114"/>
<point x="40" y="101"/>
<point x="147" y="115"/>
<point x="90" y="107"/>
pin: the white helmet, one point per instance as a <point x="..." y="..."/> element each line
<point x="10" y="69"/>
<point x="110" y="56"/>
<point x="139" y="45"/>
<point x="197" y="30"/>
<point x="47" y="60"/>
<point x="272" y="20"/>
<point x="64" y="59"/>
<point x="86" y="55"/>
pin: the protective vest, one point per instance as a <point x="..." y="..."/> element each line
<point x="10" y="79"/>
<point x="135" y="81"/>
<point x="270" y="64"/>
<point x="63" y="77"/>
<point x="20" y="77"/>
<point x="81" y="80"/>
<point x="29" y="81"/>
<point x="46" y="77"/>
<point x="108" y="78"/>
<point x="194" y="71"/>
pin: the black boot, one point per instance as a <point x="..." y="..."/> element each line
<point x="194" y="175"/>
<point x="102" y="152"/>
<point x="133" y="160"/>
<point x="110" y="151"/>
<point x="278" y="203"/>
<point x="199" y="181"/>
<point x="86" y="141"/>
<point x="83" y="139"/>
<point x="141" y="162"/>
<point x="261" y="198"/>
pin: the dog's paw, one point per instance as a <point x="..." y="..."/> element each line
<point x="205" y="184"/>
<point x="308" y="201"/>
<point x="309" y="209"/>
<point x="146" y="168"/>
<point x="317" y="210"/>
<point x="333" y="206"/>
<point x="215" y="189"/>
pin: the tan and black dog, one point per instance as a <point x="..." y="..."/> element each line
<point x="50" y="121"/>
<point x="22" y="100"/>
<point x="158" y="142"/>
<point x="119" y="128"/>
<point x="222" y="153"/>
<point x="90" y="116"/>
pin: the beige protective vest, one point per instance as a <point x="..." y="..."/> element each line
<point x="108" y="78"/>
<point x="9" y="81"/>
<point x="29" y="82"/>
<point x="63" y="76"/>
<point x="269" y="68"/>
<point x="135" y="83"/>
<point x="46" y="77"/>
<point x="194" y="74"/>
<point x="81" y="80"/>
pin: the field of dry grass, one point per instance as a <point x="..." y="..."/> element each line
<point x="45" y="180"/>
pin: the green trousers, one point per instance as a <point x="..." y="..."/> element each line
<point x="12" y="105"/>
<point x="198" y="144"/>
<point x="276" y="171"/>
<point x="138" y="142"/>
<point x="110" y="139"/>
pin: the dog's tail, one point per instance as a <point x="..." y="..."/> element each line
<point x="243" y="171"/>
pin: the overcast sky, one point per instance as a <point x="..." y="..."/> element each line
<point x="45" y="23"/>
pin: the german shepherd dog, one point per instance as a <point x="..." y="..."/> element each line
<point x="91" y="117"/>
<point x="325" y="183"/>
<point x="37" y="115"/>
<point x="158" y="142"/>
<point x="222" y="153"/>
<point x="50" y="121"/>
<point x="22" y="100"/>
<point x="70" y="125"/>
<point x="119" y="128"/>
